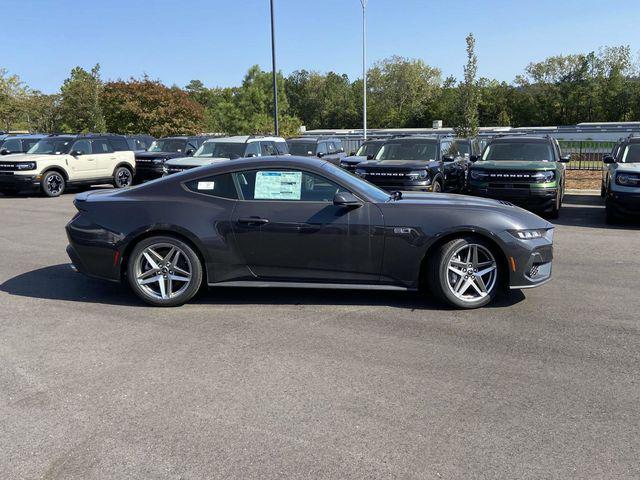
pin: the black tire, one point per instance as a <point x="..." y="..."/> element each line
<point x="555" y="210"/>
<point x="151" y="295"/>
<point x="53" y="184"/>
<point x="437" y="186"/>
<point x="122" y="177"/>
<point x="437" y="273"/>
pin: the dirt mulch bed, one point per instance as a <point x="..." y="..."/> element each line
<point x="584" y="179"/>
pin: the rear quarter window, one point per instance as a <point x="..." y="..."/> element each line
<point x="119" y="144"/>
<point x="216" y="186"/>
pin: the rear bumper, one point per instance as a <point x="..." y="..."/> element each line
<point x="535" y="199"/>
<point x="10" y="181"/>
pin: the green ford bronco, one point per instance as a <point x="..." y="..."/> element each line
<point x="527" y="171"/>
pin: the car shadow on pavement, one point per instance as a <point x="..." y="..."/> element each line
<point x="579" y="210"/>
<point x="59" y="282"/>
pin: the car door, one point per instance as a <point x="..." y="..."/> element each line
<point x="106" y="159"/>
<point x="83" y="163"/>
<point x="288" y="228"/>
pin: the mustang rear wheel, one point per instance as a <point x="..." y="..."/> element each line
<point x="464" y="273"/>
<point x="164" y="271"/>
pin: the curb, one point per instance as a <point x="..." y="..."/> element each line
<point x="578" y="191"/>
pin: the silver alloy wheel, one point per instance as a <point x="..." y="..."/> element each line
<point x="123" y="177"/>
<point x="54" y="183"/>
<point x="163" y="271"/>
<point x="436" y="187"/>
<point x="472" y="272"/>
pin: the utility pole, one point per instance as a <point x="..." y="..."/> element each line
<point x="364" y="67"/>
<point x="273" y="67"/>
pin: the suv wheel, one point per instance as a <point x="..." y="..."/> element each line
<point x="555" y="210"/>
<point x="164" y="271"/>
<point x="464" y="273"/>
<point x="612" y="217"/>
<point x="53" y="184"/>
<point x="437" y="188"/>
<point x="122" y="177"/>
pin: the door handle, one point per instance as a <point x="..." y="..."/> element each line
<point x="252" y="221"/>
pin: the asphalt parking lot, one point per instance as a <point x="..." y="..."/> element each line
<point x="252" y="383"/>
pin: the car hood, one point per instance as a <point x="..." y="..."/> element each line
<point x="514" y="165"/>
<point x="26" y="157"/>
<point x="154" y="155"/>
<point x="354" y="159"/>
<point x="399" y="164"/>
<point x="625" y="167"/>
<point x="519" y="217"/>
<point x="194" y="161"/>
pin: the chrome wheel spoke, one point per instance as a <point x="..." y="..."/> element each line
<point x="482" y="273"/>
<point x="457" y="271"/>
<point x="146" y="281"/>
<point x="163" y="271"/>
<point x="178" y="278"/>
<point x="472" y="272"/>
<point x="151" y="261"/>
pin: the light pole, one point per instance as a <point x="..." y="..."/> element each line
<point x="364" y="67"/>
<point x="273" y="67"/>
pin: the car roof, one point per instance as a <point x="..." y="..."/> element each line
<point x="275" y="161"/>
<point x="312" y="139"/>
<point x="26" y="136"/>
<point x="244" y="139"/>
<point x="520" y="139"/>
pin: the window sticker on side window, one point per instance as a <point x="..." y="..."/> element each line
<point x="278" y="186"/>
<point x="206" y="185"/>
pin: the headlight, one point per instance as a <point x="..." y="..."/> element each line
<point x="544" y="177"/>
<point x="26" y="166"/>
<point x="418" y="175"/>
<point x="532" y="234"/>
<point x="628" y="179"/>
<point x="479" y="175"/>
<point x="360" y="172"/>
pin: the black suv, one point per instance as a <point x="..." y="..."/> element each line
<point x="419" y="163"/>
<point x="327" y="148"/>
<point x="367" y="151"/>
<point x="149" y="164"/>
<point x="19" y="143"/>
<point x="140" y="142"/>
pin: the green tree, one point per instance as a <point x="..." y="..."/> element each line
<point x="13" y="93"/>
<point x="80" y="106"/>
<point x="468" y="124"/>
<point x="148" y="106"/>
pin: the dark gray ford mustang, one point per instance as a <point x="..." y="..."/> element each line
<point x="291" y="221"/>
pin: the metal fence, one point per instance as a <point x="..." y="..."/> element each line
<point x="585" y="154"/>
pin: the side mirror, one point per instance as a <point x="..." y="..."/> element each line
<point x="346" y="199"/>
<point x="320" y="154"/>
<point x="369" y="157"/>
<point x="448" y="158"/>
<point x="251" y="155"/>
<point x="352" y="153"/>
<point x="608" y="159"/>
<point x="4" y="151"/>
<point x="474" y="158"/>
<point x="76" y="153"/>
<point x="565" y="158"/>
<point x="190" y="152"/>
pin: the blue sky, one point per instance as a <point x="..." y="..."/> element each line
<point x="217" y="40"/>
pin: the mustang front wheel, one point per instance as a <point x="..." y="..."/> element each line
<point x="464" y="273"/>
<point x="164" y="271"/>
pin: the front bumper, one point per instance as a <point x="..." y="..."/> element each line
<point x="148" y="171"/>
<point x="529" y="261"/>
<point x="625" y="203"/>
<point x="11" y="181"/>
<point x="539" y="199"/>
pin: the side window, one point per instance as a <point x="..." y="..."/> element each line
<point x="464" y="148"/>
<point x="27" y="144"/>
<point x="322" y="147"/>
<point x="285" y="185"/>
<point x="445" y="148"/>
<point x="101" y="146"/>
<point x="268" y="148"/>
<point x="282" y="148"/>
<point x="82" y="146"/>
<point x="119" y="144"/>
<point x="338" y="145"/>
<point x="216" y="186"/>
<point x="12" y="145"/>
<point x="331" y="147"/>
<point x="253" y="148"/>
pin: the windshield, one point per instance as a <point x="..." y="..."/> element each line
<point x="631" y="154"/>
<point x="303" y="149"/>
<point x="221" y="150"/>
<point x="367" y="149"/>
<point x="420" y="151"/>
<point x="519" y="151"/>
<point x="169" y="145"/>
<point x="377" y="194"/>
<point x="52" y="146"/>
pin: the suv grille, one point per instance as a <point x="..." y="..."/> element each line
<point x="512" y="177"/>
<point x="11" y="167"/>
